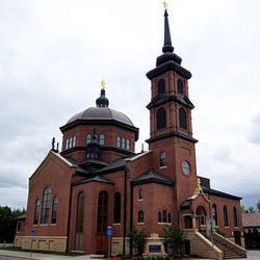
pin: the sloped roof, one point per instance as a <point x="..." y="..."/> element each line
<point x="251" y="219"/>
<point x="220" y="193"/>
<point x="96" y="178"/>
<point x="151" y="176"/>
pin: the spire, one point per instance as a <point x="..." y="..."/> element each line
<point x="102" y="101"/>
<point x="167" y="47"/>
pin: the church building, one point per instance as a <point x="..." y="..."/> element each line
<point x="98" y="181"/>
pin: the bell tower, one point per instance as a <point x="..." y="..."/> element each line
<point x="171" y="140"/>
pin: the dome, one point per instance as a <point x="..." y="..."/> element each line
<point x="101" y="113"/>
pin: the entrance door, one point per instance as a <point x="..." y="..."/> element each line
<point x="237" y="237"/>
<point x="187" y="222"/>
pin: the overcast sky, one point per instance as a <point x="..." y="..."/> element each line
<point x="55" y="53"/>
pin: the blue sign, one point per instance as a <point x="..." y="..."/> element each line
<point x="33" y="232"/>
<point x="109" y="231"/>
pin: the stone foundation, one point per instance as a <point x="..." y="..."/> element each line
<point x="43" y="243"/>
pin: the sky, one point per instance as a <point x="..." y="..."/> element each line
<point x="54" y="54"/>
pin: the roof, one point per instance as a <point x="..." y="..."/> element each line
<point x="97" y="178"/>
<point x="251" y="219"/>
<point x="220" y="193"/>
<point x="101" y="113"/>
<point x="151" y="176"/>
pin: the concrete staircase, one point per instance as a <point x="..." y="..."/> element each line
<point x="222" y="248"/>
<point x="229" y="248"/>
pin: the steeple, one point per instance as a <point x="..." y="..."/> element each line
<point x="168" y="60"/>
<point x="167" y="47"/>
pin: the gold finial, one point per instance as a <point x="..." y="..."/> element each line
<point x="103" y="84"/>
<point x="165" y="4"/>
<point x="198" y="187"/>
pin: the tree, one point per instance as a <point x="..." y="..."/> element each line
<point x="251" y="210"/>
<point x="8" y="223"/>
<point x="258" y="205"/>
<point x="137" y="240"/>
<point x="174" y="238"/>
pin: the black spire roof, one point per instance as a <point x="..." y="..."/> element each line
<point x="168" y="60"/>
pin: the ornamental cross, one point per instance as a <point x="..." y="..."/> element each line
<point x="103" y="84"/>
<point x="165" y="4"/>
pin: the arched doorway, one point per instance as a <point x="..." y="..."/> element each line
<point x="201" y="218"/>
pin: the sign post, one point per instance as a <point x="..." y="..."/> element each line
<point x="109" y="234"/>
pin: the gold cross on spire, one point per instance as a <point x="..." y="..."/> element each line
<point x="165" y="4"/>
<point x="103" y="84"/>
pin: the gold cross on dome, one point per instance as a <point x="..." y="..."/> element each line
<point x="165" y="4"/>
<point x="103" y="84"/>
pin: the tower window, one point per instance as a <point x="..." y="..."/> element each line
<point x="182" y="119"/>
<point x="180" y="87"/>
<point x="162" y="159"/>
<point x="161" y="86"/>
<point x="161" y="118"/>
<point x="140" y="216"/>
<point x="140" y="194"/>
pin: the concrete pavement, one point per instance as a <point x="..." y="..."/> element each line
<point x="251" y="255"/>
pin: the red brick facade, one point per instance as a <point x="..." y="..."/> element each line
<point x="100" y="181"/>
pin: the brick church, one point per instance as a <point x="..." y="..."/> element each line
<point x="98" y="180"/>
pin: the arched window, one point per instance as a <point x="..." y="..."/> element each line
<point x="140" y="194"/>
<point x="102" y="139"/>
<point x="201" y="215"/>
<point x="54" y="210"/>
<point x="102" y="212"/>
<point x="118" y="141"/>
<point x="159" y="216"/>
<point x="163" y="159"/>
<point x="140" y="216"/>
<point x="180" y="88"/>
<point x="127" y="144"/>
<point x="46" y="205"/>
<point x="215" y="214"/>
<point x="80" y="221"/>
<point x="117" y="208"/>
<point x="235" y="216"/>
<point x="67" y="144"/>
<point x="164" y="216"/>
<point x="88" y="138"/>
<point x="123" y="142"/>
<point x="36" y="212"/>
<point x="161" y="86"/>
<point x="161" y="118"/>
<point x="225" y="215"/>
<point x="182" y="119"/>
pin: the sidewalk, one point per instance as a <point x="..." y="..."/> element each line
<point x="38" y="256"/>
<point x="251" y="255"/>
